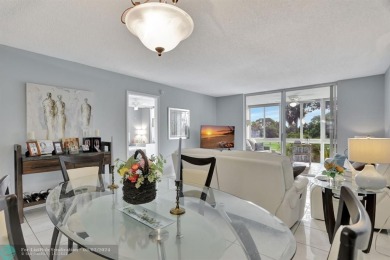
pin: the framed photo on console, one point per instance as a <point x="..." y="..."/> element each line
<point x="96" y="144"/>
<point x="45" y="147"/>
<point x="58" y="148"/>
<point x="87" y="144"/>
<point x="32" y="148"/>
<point x="71" y="144"/>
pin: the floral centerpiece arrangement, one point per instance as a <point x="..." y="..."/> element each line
<point x="139" y="176"/>
<point x="332" y="170"/>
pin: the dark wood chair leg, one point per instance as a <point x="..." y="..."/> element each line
<point x="53" y="243"/>
<point x="70" y="246"/>
<point x="327" y="204"/>
<point x="371" y="208"/>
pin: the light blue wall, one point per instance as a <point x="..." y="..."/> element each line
<point x="361" y="106"/>
<point x="361" y="110"/>
<point x="387" y="103"/>
<point x="18" y="67"/>
<point x="230" y="111"/>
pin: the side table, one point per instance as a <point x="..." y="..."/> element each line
<point x="330" y="191"/>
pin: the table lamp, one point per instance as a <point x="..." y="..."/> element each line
<point x="369" y="150"/>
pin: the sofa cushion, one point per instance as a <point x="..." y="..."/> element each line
<point x="252" y="142"/>
<point x="248" y="145"/>
<point x="284" y="160"/>
<point x="243" y="178"/>
<point x="358" y="166"/>
<point x="259" y="147"/>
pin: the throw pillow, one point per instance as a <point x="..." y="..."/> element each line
<point x="339" y="159"/>
<point x="248" y="146"/>
<point x="252" y="142"/>
<point x="259" y="147"/>
<point x="358" y="166"/>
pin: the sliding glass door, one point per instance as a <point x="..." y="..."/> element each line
<point x="308" y="116"/>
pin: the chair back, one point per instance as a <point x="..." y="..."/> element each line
<point x="4" y="185"/>
<point x="239" y="228"/>
<point x="200" y="162"/>
<point x="17" y="246"/>
<point x="352" y="229"/>
<point x="70" y="169"/>
<point x="206" y="189"/>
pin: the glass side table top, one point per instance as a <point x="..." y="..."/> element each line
<point x="346" y="180"/>
<point x="332" y="189"/>
<point x="206" y="232"/>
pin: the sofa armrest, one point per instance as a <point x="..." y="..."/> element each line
<point x="293" y="206"/>
<point x="295" y="192"/>
<point x="300" y="183"/>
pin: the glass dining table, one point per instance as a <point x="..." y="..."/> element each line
<point x="222" y="227"/>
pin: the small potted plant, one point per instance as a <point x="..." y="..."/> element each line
<point x="332" y="170"/>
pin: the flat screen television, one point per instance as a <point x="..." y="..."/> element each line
<point x="216" y="137"/>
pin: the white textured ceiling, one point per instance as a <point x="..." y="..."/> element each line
<point x="237" y="46"/>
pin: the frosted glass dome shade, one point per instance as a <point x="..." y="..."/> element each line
<point x="159" y="25"/>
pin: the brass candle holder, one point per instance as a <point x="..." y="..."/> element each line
<point x="177" y="210"/>
<point x="112" y="186"/>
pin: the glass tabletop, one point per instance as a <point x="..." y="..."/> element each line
<point x="345" y="180"/>
<point x="101" y="221"/>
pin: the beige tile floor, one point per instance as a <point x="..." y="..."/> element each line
<point x="310" y="234"/>
<point x="312" y="238"/>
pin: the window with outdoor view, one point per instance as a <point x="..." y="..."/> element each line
<point x="308" y="116"/>
<point x="264" y="121"/>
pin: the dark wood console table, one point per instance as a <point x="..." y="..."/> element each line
<point x="40" y="164"/>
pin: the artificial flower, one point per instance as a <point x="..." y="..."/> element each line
<point x="332" y="169"/>
<point x="122" y="171"/>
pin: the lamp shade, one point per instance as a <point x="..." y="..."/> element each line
<point x="369" y="150"/>
<point x="159" y="26"/>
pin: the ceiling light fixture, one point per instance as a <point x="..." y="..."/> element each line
<point x="160" y="26"/>
<point x="294" y="101"/>
<point x="135" y="105"/>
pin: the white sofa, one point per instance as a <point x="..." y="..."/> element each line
<point x="265" y="179"/>
<point x="382" y="214"/>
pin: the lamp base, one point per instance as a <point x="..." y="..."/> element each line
<point x="370" y="179"/>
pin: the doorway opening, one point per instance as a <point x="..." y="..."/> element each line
<point x="142" y="123"/>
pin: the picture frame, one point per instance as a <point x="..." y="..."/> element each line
<point x="45" y="147"/>
<point x="32" y="147"/>
<point x="74" y="113"/>
<point x="58" y="149"/>
<point x="178" y="123"/>
<point x="96" y="144"/>
<point x="71" y="144"/>
<point x="87" y="144"/>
